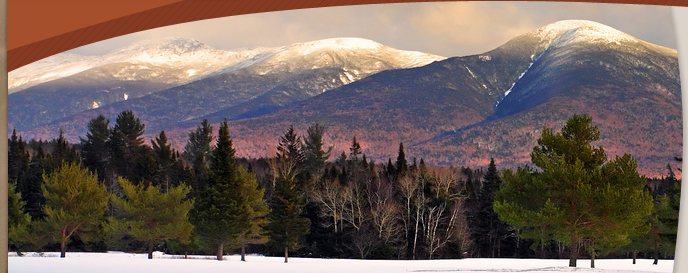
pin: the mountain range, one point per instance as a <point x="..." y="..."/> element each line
<point x="451" y="111"/>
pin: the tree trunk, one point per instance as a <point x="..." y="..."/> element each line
<point x="286" y="254"/>
<point x="573" y="256"/>
<point x="656" y="252"/>
<point x="592" y="257"/>
<point x="243" y="251"/>
<point x="150" y="249"/>
<point x="415" y="237"/>
<point x="220" y="251"/>
<point x="635" y="254"/>
<point x="518" y="245"/>
<point x="63" y="249"/>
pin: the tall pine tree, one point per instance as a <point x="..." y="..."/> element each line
<point x="314" y="154"/>
<point x="129" y="157"/>
<point x="196" y="152"/>
<point x="286" y="224"/>
<point x="222" y="212"/>
<point x="165" y="158"/>
<point x="401" y="164"/>
<point x="489" y="232"/>
<point x="94" y="148"/>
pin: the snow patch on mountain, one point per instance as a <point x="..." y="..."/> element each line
<point x="351" y="54"/>
<point x="50" y="68"/>
<point x="179" y="61"/>
<point x="171" y="61"/>
<point x="566" y="32"/>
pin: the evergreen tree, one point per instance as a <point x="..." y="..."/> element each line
<point x="150" y="215"/>
<point x="196" y="152"/>
<point x="258" y="210"/>
<point x="286" y="225"/>
<point x="401" y="164"/>
<point x="355" y="166"/>
<point x="390" y="170"/>
<point x="575" y="197"/>
<point x="317" y="242"/>
<point x="63" y="152"/>
<point x="354" y="151"/>
<point x="22" y="175"/>
<point x="18" y="221"/>
<point x="30" y="188"/>
<point x="165" y="159"/>
<point x="315" y="157"/>
<point x="221" y="213"/>
<point x="75" y="203"/>
<point x="664" y="219"/>
<point x="18" y="158"/>
<point x="489" y="233"/>
<point x="290" y="148"/>
<point x="130" y="158"/>
<point x="95" y="151"/>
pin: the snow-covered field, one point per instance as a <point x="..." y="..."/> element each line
<point x="135" y="263"/>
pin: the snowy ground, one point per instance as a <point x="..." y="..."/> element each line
<point x="135" y="263"/>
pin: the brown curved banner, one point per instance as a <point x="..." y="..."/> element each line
<point x="40" y="28"/>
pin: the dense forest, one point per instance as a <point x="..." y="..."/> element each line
<point x="115" y="191"/>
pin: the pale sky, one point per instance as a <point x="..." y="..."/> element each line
<point x="443" y="28"/>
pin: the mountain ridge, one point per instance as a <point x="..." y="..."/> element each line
<point x="458" y="110"/>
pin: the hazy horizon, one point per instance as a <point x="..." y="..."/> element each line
<point x="443" y="28"/>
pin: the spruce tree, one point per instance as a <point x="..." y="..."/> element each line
<point x="489" y="233"/>
<point x="390" y="170"/>
<point x="30" y="188"/>
<point x="165" y="159"/>
<point x="401" y="164"/>
<point x="354" y="150"/>
<point x="196" y="152"/>
<point x="150" y="215"/>
<point x="63" y="151"/>
<point x="129" y="157"/>
<point x="314" y="155"/>
<point x="290" y="147"/>
<point x="94" y="148"/>
<point x="286" y="225"/>
<point x="221" y="213"/>
<point x="314" y="172"/>
<point x="18" y="158"/>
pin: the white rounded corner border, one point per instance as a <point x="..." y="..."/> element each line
<point x="680" y="15"/>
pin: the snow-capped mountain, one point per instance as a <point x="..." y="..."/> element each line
<point x="170" y="61"/>
<point x="464" y="110"/>
<point x="67" y="84"/>
<point x="592" y="54"/>
<point x="357" y="56"/>
<point x="460" y="110"/>
<point x="48" y="69"/>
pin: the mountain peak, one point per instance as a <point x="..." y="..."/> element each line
<point x="574" y="31"/>
<point x="171" y="44"/>
<point x="359" y="55"/>
<point x="338" y="44"/>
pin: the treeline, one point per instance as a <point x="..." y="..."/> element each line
<point x="112" y="191"/>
